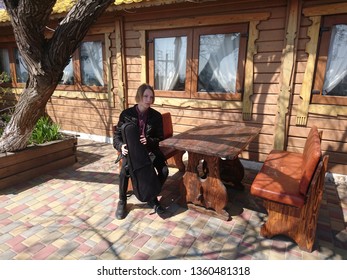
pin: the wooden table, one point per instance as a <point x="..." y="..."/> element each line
<point x="213" y="163"/>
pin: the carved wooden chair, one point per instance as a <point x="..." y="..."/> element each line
<point x="292" y="208"/>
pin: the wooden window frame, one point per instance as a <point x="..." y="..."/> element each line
<point x="77" y="86"/>
<point x="12" y="66"/>
<point x="165" y="34"/>
<point x="234" y="28"/>
<point x="322" y="57"/>
<point x="193" y="35"/>
<point x="11" y="52"/>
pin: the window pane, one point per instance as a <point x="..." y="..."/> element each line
<point x="218" y="60"/>
<point x="335" y="82"/>
<point x="5" y="62"/>
<point x="91" y="62"/>
<point x="170" y="55"/>
<point x="68" y="77"/>
<point x="21" y="69"/>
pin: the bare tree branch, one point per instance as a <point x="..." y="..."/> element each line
<point x="73" y="28"/>
<point x="45" y="58"/>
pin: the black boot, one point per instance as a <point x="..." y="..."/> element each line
<point x="154" y="203"/>
<point x="123" y="187"/>
<point x="121" y="209"/>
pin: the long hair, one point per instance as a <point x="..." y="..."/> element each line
<point x="140" y="91"/>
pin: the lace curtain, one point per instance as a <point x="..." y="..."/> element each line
<point x="91" y="64"/>
<point x="218" y="59"/>
<point x="21" y="69"/>
<point x="4" y="61"/>
<point x="68" y="76"/>
<point x="170" y="63"/>
<point x="336" y="70"/>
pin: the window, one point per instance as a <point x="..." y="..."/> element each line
<point x="21" y="69"/>
<point x="330" y="84"/>
<point x="86" y="68"/>
<point x="91" y="63"/>
<point x="5" y="62"/>
<point x="170" y="63"/>
<point x="13" y="64"/>
<point x="204" y="63"/>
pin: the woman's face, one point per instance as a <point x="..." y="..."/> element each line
<point x="147" y="99"/>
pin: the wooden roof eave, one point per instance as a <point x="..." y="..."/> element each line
<point x="148" y="3"/>
<point x="62" y="7"/>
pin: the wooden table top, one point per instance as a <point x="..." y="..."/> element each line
<point x="223" y="140"/>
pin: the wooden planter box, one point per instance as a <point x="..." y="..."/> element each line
<point x="36" y="160"/>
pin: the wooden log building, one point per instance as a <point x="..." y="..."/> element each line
<point x="280" y="65"/>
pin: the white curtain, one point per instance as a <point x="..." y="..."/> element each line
<point x="218" y="60"/>
<point x="336" y="69"/>
<point x="21" y="69"/>
<point x="170" y="62"/>
<point x="68" y="76"/>
<point x="92" y="64"/>
<point x="4" y="61"/>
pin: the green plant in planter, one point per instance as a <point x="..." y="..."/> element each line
<point x="45" y="131"/>
<point x="4" y="119"/>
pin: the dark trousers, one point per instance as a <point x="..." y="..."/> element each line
<point x="159" y="165"/>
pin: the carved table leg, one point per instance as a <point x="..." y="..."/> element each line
<point x="206" y="189"/>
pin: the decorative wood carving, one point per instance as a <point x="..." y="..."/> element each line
<point x="305" y="93"/>
<point x="207" y="192"/>
<point x="315" y="14"/>
<point x="120" y="54"/>
<point x="108" y="70"/>
<point x="142" y="40"/>
<point x="297" y="223"/>
<point x="287" y="70"/>
<point x="247" y="103"/>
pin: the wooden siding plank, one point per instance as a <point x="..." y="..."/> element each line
<point x="330" y="9"/>
<point x="305" y="93"/>
<point x="202" y="21"/>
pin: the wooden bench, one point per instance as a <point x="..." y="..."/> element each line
<point x="291" y="186"/>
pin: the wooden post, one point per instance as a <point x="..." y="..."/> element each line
<point x="249" y="70"/>
<point x="287" y="71"/>
<point x="120" y="60"/>
<point x="305" y="93"/>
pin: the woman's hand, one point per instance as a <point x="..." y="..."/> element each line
<point x="124" y="149"/>
<point x="143" y="140"/>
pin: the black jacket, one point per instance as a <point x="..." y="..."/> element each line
<point x="153" y="131"/>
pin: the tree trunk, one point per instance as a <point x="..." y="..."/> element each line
<point x="45" y="58"/>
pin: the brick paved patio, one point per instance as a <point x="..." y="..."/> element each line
<point x="69" y="214"/>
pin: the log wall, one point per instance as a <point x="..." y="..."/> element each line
<point x="96" y="114"/>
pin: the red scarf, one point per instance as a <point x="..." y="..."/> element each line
<point x="142" y="120"/>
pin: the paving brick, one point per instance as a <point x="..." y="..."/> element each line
<point x="69" y="214"/>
